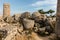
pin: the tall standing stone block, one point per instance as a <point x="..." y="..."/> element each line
<point x="6" y="10"/>
<point x="57" y="28"/>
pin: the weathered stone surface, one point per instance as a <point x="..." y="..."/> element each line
<point x="43" y="16"/>
<point x="20" y="28"/>
<point x="32" y="36"/>
<point x="35" y="14"/>
<point x="57" y="28"/>
<point x="8" y="19"/>
<point x="12" y="30"/>
<point x="42" y="29"/>
<point x="37" y="25"/>
<point x="3" y="33"/>
<point x="28" y="23"/>
<point x="35" y="29"/>
<point x="37" y="19"/>
<point x="26" y="15"/>
<point x="15" y="32"/>
<point x="17" y="17"/>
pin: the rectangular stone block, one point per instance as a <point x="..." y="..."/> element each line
<point x="57" y="28"/>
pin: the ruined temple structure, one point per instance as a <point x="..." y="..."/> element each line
<point x="57" y="28"/>
<point x="6" y="9"/>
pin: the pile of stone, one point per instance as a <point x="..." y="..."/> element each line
<point x="23" y="25"/>
<point x="34" y="21"/>
<point x="14" y="32"/>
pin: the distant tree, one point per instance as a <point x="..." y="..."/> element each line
<point x="50" y="12"/>
<point x="41" y="11"/>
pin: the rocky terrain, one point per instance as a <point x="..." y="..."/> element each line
<point x="27" y="26"/>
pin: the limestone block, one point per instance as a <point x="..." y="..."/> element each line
<point x="28" y="23"/>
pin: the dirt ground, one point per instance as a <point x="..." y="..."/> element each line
<point x="47" y="37"/>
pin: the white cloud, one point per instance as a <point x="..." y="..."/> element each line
<point x="46" y="5"/>
<point x="46" y="2"/>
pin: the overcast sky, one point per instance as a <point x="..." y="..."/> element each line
<point x="18" y="6"/>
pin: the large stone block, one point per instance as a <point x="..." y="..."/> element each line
<point x="35" y="14"/>
<point x="26" y="15"/>
<point x="57" y="28"/>
<point x="28" y="23"/>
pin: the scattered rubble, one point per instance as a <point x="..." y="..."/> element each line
<point x="25" y="26"/>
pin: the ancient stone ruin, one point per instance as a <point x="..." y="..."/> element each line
<point x="25" y="26"/>
<point x="6" y="10"/>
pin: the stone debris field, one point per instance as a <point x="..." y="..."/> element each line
<point x="27" y="26"/>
